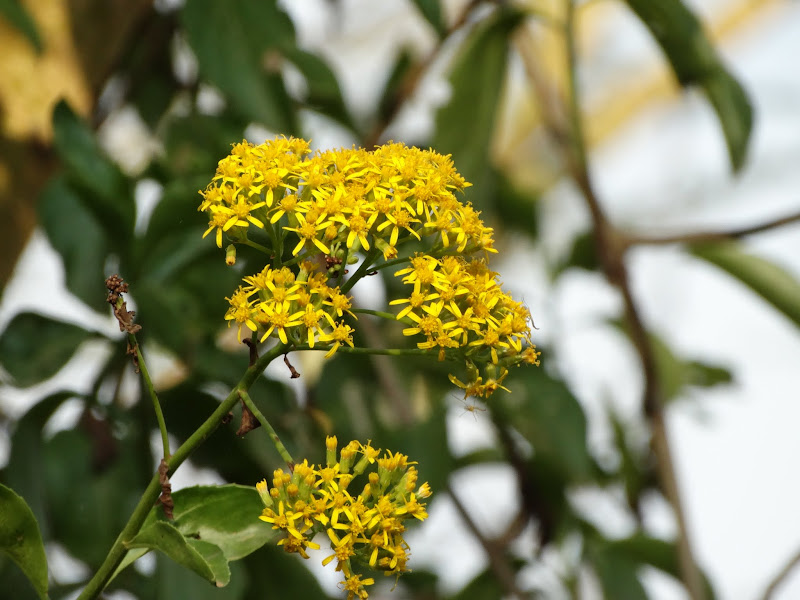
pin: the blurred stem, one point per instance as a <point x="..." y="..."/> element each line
<point x="712" y="236"/>
<point x="611" y="250"/>
<point x="148" y="383"/>
<point x="494" y="551"/>
<point x="256" y="246"/>
<point x="377" y="351"/>
<point x="103" y="575"/>
<point x="268" y="428"/>
<point x="781" y="576"/>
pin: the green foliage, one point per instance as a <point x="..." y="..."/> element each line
<point x="695" y="62"/>
<point x="82" y="483"/>
<point x="20" y="539"/>
<point x="246" y="33"/>
<point x="770" y="281"/>
<point x="34" y="347"/>
<point x="477" y="77"/>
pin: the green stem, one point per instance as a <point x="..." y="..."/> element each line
<point x="375" y="313"/>
<point x="150" y="495"/>
<point x="267" y="427"/>
<point x="367" y="264"/>
<point x="258" y="247"/>
<point x="162" y="426"/>
<point x="383" y="351"/>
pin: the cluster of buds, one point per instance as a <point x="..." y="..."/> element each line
<point x="364" y="524"/>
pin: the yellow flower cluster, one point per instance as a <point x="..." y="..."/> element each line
<point x="313" y="212"/>
<point x="366" y="528"/>
<point x="277" y="303"/>
<point x="340" y="201"/>
<point x="456" y="303"/>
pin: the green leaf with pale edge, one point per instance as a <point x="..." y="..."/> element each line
<point x="432" y="11"/>
<point x="661" y="554"/>
<point x="235" y="55"/>
<point x="18" y="16"/>
<point x="465" y="126"/>
<point x="768" y="280"/>
<point x="21" y="540"/>
<point x="225" y="516"/>
<point x="34" y="347"/>
<point x="104" y="189"/>
<point x="204" y="558"/>
<point x="62" y="213"/>
<point x="617" y="572"/>
<point x="324" y="93"/>
<point x="695" y="62"/>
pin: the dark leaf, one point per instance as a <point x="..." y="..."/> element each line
<point x="515" y="207"/>
<point x="34" y="347"/>
<point x="275" y="574"/>
<point x="103" y="188"/>
<point x="25" y="461"/>
<point x="392" y="91"/>
<point x="773" y="283"/>
<point x="324" y="93"/>
<point x="241" y="55"/>
<point x="549" y="416"/>
<point x="432" y="11"/>
<point x="18" y="16"/>
<point x="174" y="581"/>
<point x="618" y="573"/>
<point x="464" y="127"/>
<point x="695" y="62"/>
<point x="79" y="238"/>
<point x="661" y="554"/>
<point x="21" y="540"/>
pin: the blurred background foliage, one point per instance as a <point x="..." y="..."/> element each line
<point x="200" y="75"/>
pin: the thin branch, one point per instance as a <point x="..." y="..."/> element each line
<point x="611" y="246"/>
<point x="494" y="552"/>
<point x="414" y="77"/>
<point x="711" y="236"/>
<point x="778" y="580"/>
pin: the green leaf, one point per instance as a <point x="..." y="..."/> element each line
<point x="204" y="558"/>
<point x="582" y="255"/>
<point x="104" y="189"/>
<point x="695" y="62"/>
<point x="392" y="90"/>
<point x="324" y="93"/>
<point x="18" y="16"/>
<point x="768" y="280"/>
<point x="34" y="347"/>
<point x="21" y="540"/>
<point x="661" y="554"/>
<point x="23" y="471"/>
<point x="616" y="571"/>
<point x="271" y="564"/>
<point x="237" y="53"/>
<point x="465" y="126"/>
<point x="549" y="416"/>
<point x="63" y="214"/>
<point x="515" y="207"/>
<point x="432" y="11"/>
<point x="225" y="515"/>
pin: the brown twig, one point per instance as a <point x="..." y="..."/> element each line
<point x="611" y="246"/>
<point x="711" y="236"/>
<point x="494" y="551"/>
<point x="781" y="576"/>
<point x="412" y="79"/>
